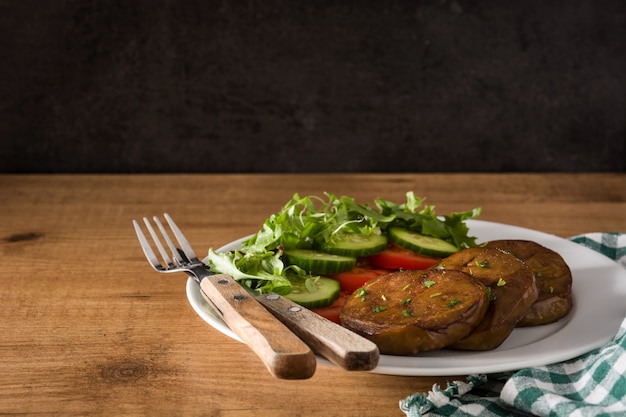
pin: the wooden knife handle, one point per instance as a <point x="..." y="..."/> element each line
<point x="282" y="352"/>
<point x="339" y="345"/>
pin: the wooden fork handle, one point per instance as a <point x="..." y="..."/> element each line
<point x="282" y="352"/>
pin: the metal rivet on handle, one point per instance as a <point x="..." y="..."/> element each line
<point x="222" y="281"/>
<point x="239" y="297"/>
<point x="273" y="297"/>
<point x="294" y="309"/>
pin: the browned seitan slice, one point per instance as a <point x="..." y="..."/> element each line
<point x="552" y="275"/>
<point x="512" y="290"/>
<point x="408" y="312"/>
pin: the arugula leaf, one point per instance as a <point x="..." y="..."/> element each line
<point x="451" y="228"/>
<point x="263" y="272"/>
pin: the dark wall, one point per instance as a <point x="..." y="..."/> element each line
<point x="278" y="86"/>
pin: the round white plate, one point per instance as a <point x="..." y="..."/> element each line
<point x="599" y="289"/>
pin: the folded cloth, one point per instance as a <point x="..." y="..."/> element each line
<point x="612" y="245"/>
<point x="591" y="385"/>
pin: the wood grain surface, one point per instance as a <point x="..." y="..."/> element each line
<point x="88" y="328"/>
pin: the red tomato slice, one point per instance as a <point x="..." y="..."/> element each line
<point x="332" y="311"/>
<point x="397" y="257"/>
<point x="354" y="279"/>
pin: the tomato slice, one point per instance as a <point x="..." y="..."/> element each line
<point x="397" y="257"/>
<point x="354" y="279"/>
<point x="332" y="311"/>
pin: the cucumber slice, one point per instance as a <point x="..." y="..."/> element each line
<point x="426" y="245"/>
<point x="355" y="245"/>
<point x="326" y="291"/>
<point x="319" y="263"/>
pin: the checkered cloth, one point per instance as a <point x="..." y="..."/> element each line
<point x="591" y="385"/>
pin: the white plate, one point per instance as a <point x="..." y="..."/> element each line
<point x="599" y="288"/>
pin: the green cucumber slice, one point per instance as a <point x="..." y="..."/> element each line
<point x="326" y="291"/>
<point x="319" y="263"/>
<point x="426" y="245"/>
<point x="355" y="245"/>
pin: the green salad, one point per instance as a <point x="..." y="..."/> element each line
<point x="313" y="236"/>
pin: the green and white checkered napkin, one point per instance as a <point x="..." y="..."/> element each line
<point x="591" y="385"/>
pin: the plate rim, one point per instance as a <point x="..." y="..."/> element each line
<point x="497" y="360"/>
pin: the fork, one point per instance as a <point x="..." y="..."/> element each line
<point x="263" y="329"/>
<point x="283" y="353"/>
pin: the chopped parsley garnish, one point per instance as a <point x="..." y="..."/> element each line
<point x="483" y="264"/>
<point x="453" y="302"/>
<point x="361" y="292"/>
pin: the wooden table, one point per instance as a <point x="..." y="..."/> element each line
<point x="88" y="328"/>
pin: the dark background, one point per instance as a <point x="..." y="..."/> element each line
<point x="312" y="86"/>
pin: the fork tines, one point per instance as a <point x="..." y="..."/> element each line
<point x="178" y="257"/>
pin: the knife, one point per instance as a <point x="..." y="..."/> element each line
<point x="282" y="350"/>
<point x="274" y="333"/>
<point x="337" y="344"/>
